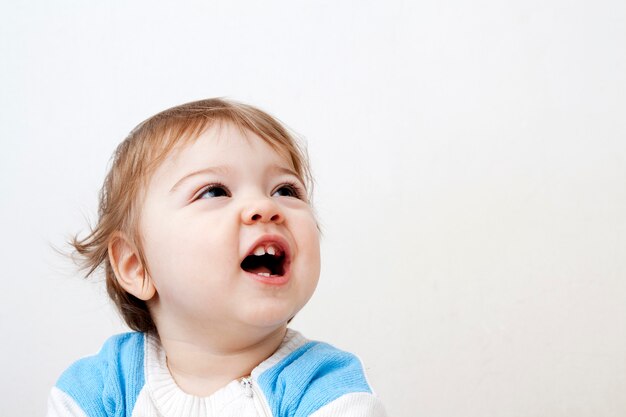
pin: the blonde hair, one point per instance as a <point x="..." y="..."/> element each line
<point x="136" y="158"/>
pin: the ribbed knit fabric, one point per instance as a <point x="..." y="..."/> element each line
<point x="129" y="377"/>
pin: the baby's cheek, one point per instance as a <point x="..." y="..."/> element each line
<point x="313" y="239"/>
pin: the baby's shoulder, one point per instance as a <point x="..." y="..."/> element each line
<point x="98" y="381"/>
<point x="316" y="377"/>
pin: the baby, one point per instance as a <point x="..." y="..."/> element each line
<point x="210" y="247"/>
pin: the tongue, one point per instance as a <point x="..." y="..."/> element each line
<point x="259" y="269"/>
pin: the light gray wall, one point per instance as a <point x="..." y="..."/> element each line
<point x="470" y="161"/>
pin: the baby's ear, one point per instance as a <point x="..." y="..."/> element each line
<point x="128" y="268"/>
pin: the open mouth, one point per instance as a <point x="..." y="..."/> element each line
<point x="267" y="259"/>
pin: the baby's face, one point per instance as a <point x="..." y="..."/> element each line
<point x="228" y="235"/>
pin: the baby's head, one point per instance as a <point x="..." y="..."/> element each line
<point x="205" y="222"/>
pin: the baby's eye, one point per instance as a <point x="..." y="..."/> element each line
<point x="213" y="191"/>
<point x="288" y="190"/>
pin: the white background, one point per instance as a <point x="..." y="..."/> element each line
<point x="470" y="160"/>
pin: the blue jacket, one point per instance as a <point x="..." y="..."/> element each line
<point x="129" y="377"/>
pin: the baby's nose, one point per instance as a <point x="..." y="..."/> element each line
<point x="262" y="210"/>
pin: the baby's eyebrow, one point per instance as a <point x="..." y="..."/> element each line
<point x="282" y="170"/>
<point x="210" y="170"/>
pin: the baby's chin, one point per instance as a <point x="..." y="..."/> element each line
<point x="270" y="316"/>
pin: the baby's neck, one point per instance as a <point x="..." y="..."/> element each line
<point x="201" y="368"/>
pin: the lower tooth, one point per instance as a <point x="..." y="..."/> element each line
<point x="265" y="274"/>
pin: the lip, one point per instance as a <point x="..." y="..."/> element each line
<point x="285" y="247"/>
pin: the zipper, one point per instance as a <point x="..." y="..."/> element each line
<point x="251" y="391"/>
<point x="246" y="384"/>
